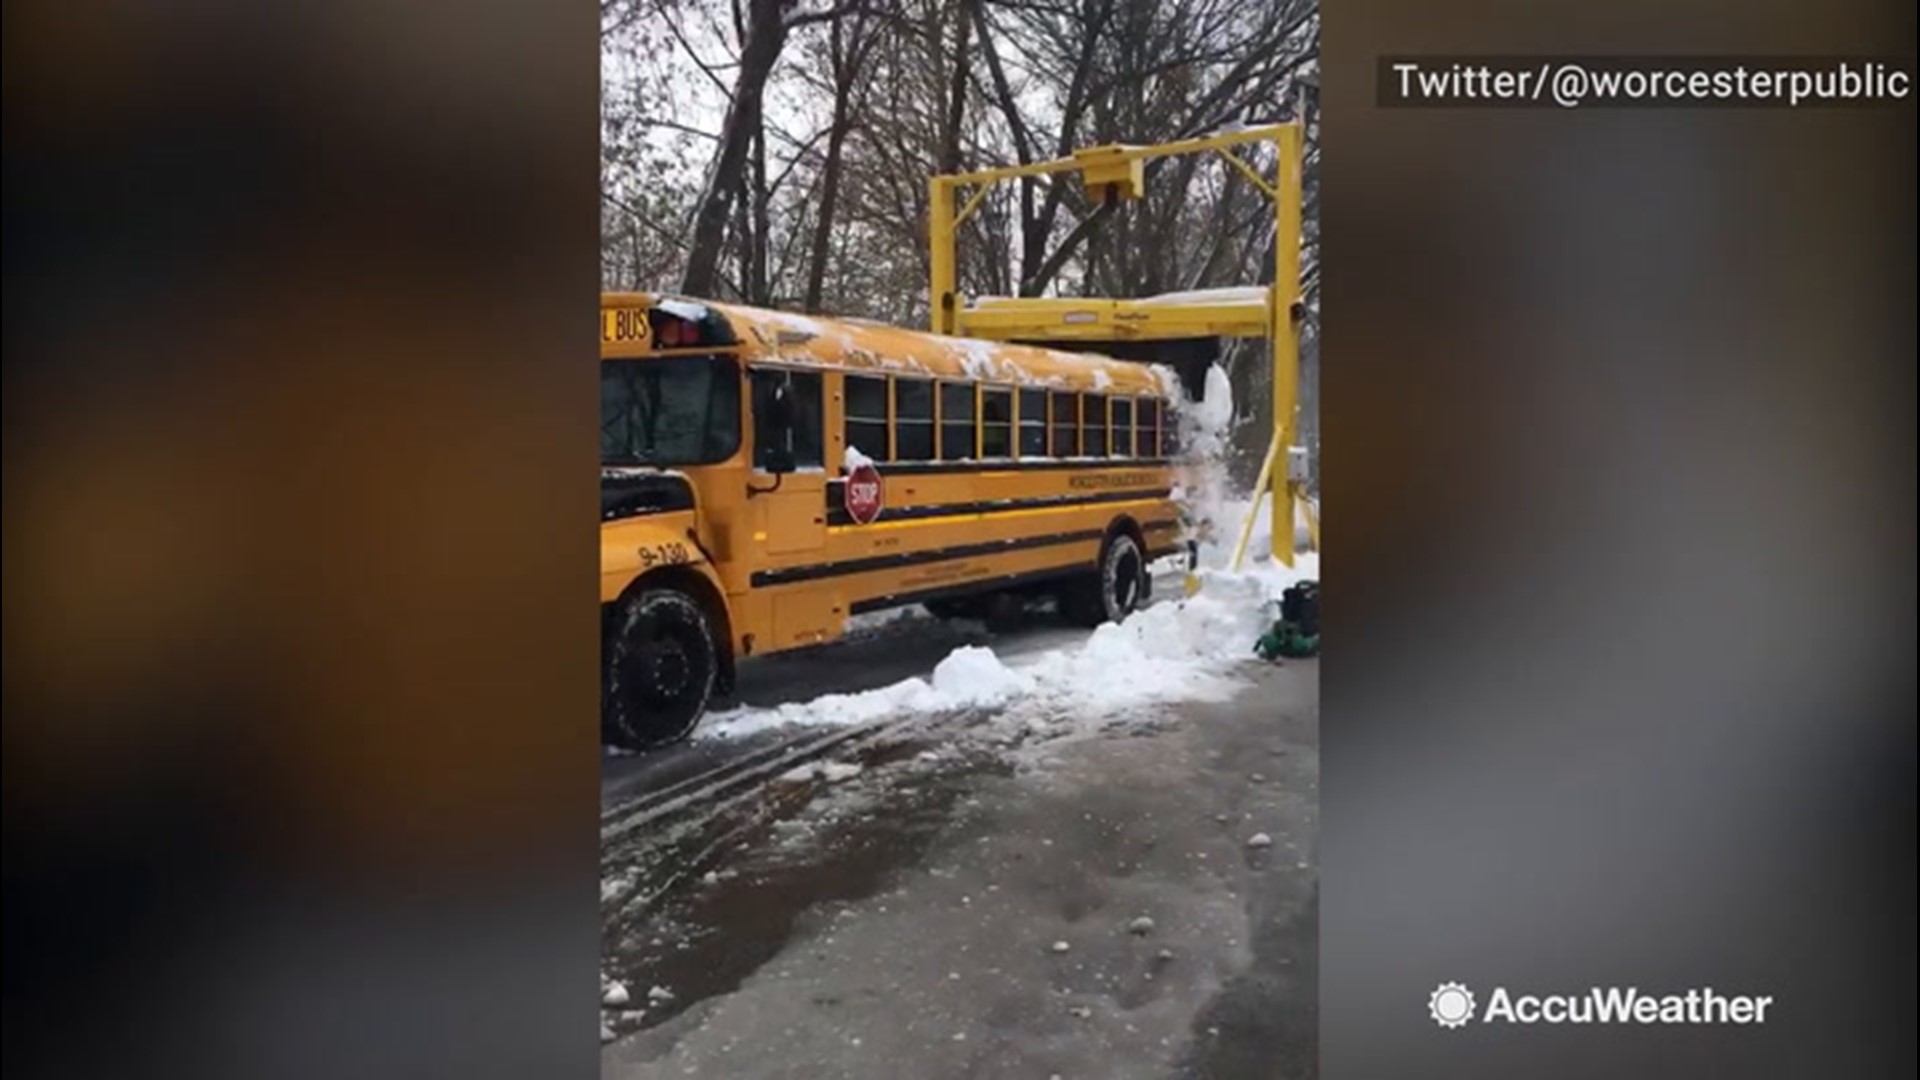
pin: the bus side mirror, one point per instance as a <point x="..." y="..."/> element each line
<point x="778" y="458"/>
<point x="780" y="409"/>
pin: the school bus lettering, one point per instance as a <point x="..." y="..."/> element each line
<point x="983" y="472"/>
<point x="624" y="326"/>
<point x="948" y="575"/>
<point x="1090" y="481"/>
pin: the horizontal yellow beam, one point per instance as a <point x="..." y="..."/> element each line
<point x="1065" y="319"/>
<point x="1218" y="140"/>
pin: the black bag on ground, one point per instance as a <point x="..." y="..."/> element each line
<point x="1300" y="607"/>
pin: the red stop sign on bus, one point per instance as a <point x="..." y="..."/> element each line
<point x="865" y="494"/>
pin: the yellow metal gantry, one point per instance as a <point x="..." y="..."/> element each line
<point x="1119" y="172"/>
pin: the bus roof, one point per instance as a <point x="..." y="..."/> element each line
<point x="860" y="344"/>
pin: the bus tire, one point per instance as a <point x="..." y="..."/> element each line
<point x="1116" y="588"/>
<point x="661" y="665"/>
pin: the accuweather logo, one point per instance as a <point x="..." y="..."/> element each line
<point x="1452" y="1005"/>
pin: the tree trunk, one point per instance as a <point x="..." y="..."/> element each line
<point x="766" y="35"/>
<point x="759" y="289"/>
<point x="829" y="197"/>
<point x="957" y="102"/>
<point x="846" y="71"/>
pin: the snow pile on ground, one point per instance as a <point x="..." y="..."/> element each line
<point x="1168" y="652"/>
<point x="907" y="695"/>
<point x="973" y="675"/>
<point x="1180" y="650"/>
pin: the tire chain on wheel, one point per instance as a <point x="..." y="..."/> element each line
<point x="1090" y="600"/>
<point x="625" y="723"/>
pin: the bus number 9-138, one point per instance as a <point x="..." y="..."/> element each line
<point x="664" y="555"/>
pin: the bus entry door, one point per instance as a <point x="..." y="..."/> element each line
<point x="792" y="506"/>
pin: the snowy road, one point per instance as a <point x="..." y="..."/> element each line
<point x="881" y="652"/>
<point x="1138" y="899"/>
<point x="869" y="855"/>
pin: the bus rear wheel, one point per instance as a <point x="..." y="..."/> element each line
<point x="660" y="669"/>
<point x="1116" y="588"/>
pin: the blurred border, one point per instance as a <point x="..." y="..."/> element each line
<point x="1620" y="407"/>
<point x="300" y="625"/>
<point x="298" y="630"/>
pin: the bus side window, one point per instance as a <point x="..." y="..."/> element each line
<point x="1149" y="427"/>
<point x="1066" y="425"/>
<point x="1094" y="420"/>
<point x="1033" y="423"/>
<point x="866" y="426"/>
<point x="806" y="439"/>
<point x="956" y="421"/>
<point x="996" y="423"/>
<point x="1122" y="427"/>
<point x="913" y="419"/>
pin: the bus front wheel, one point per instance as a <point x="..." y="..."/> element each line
<point x="1116" y="588"/>
<point x="661" y="663"/>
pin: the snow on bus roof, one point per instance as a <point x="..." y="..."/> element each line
<point x="789" y="320"/>
<point x="864" y="343"/>
<point x="684" y="309"/>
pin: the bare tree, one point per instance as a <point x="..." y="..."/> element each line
<point x="811" y="167"/>
<point x="764" y="31"/>
<point x="850" y="40"/>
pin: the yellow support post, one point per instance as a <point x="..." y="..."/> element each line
<point x="944" y="299"/>
<point x="1286" y="333"/>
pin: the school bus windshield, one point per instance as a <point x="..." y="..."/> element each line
<point x="682" y="410"/>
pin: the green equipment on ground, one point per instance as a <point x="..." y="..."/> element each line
<point x="1296" y="633"/>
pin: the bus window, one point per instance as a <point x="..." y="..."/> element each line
<point x="867" y="416"/>
<point x="1122" y="427"/>
<point x="1149" y="427"/>
<point x="1094" y="419"/>
<point x="682" y="410"/>
<point x="1033" y="423"/>
<point x="803" y="390"/>
<point x="913" y="419"/>
<point x="996" y="423"/>
<point x="956" y="421"/>
<point x="1066" y="425"/>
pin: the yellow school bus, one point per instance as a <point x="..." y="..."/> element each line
<point x="765" y="476"/>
